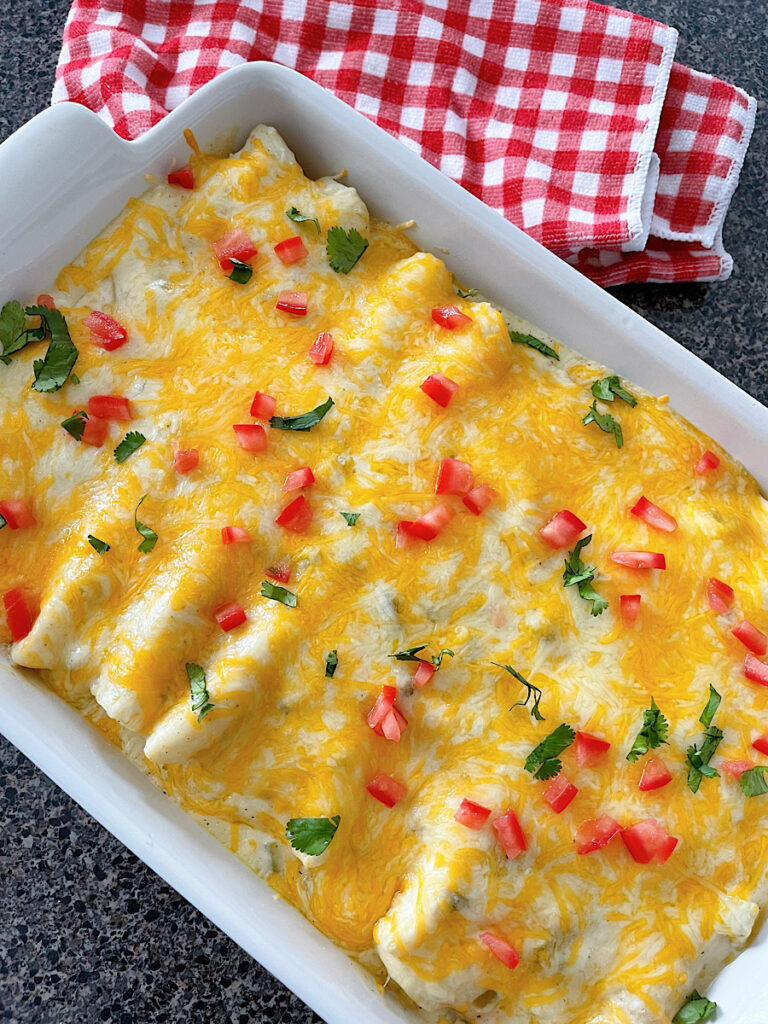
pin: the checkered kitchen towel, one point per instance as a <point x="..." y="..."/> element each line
<point x="568" y="117"/>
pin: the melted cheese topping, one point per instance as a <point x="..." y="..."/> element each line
<point x="406" y="890"/>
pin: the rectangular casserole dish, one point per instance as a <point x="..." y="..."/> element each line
<point x="65" y="175"/>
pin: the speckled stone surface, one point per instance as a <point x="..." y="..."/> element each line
<point x="87" y="932"/>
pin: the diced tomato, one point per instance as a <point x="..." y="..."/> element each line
<point x="44" y="299"/>
<point x="404" y="535"/>
<point x="501" y="949"/>
<point x="428" y="526"/>
<point x="290" y="250"/>
<point x="596" y="833"/>
<point x="16" y="514"/>
<point x="472" y="815"/>
<point x="736" y="768"/>
<point x="263" y="406"/>
<point x="761" y="743"/>
<point x="753" y="638"/>
<point x="95" y="432"/>
<point x="754" y="669"/>
<point x="235" y="245"/>
<point x="653" y="515"/>
<point x="229" y="616"/>
<point x="450" y="317"/>
<point x="589" y="749"/>
<point x="440" y="388"/>
<point x="296" y="516"/>
<point x="321" y="349"/>
<point x="110" y="407"/>
<point x="293" y="302"/>
<point x="707" y="463"/>
<point x="250" y="436"/>
<point x="386" y="790"/>
<point x="510" y="834"/>
<point x="560" y="794"/>
<point x="108" y="333"/>
<point x="183" y="177"/>
<point x="639" y="559"/>
<point x="479" y="498"/>
<point x="423" y="674"/>
<point x="234" y="535"/>
<point x="719" y="595"/>
<point x="562" y="529"/>
<point x="647" y="840"/>
<point x="385" y="718"/>
<point x="298" y="478"/>
<point x="454" y="477"/>
<point x="17" y="614"/>
<point x="281" y="571"/>
<point x="655" y="775"/>
<point x="185" y="460"/>
<point x="630" y="608"/>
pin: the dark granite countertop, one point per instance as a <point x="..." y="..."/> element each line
<point x="87" y="932"/>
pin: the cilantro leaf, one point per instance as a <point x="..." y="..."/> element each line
<point x="98" y="545"/>
<point x="607" y="387"/>
<point x="437" y="661"/>
<point x="3" y="522"/>
<point x="532" y="342"/>
<point x="311" y="835"/>
<point x="606" y="422"/>
<point x="276" y="593"/>
<point x="698" y="759"/>
<point x="297" y="217"/>
<point x="75" y="424"/>
<point x="132" y="441"/>
<point x="305" y="420"/>
<point x="241" y="272"/>
<point x="652" y="734"/>
<point x="577" y="574"/>
<point x="695" y="1009"/>
<point x="351" y="517"/>
<point x="331" y="664"/>
<point x="466" y="295"/>
<point x="755" y="781"/>
<point x="198" y="690"/>
<point x="531" y="692"/>
<point x="11" y="329"/>
<point x="712" y="705"/>
<point x="409" y="654"/>
<point x="344" y="248"/>
<point x="52" y="371"/>
<point x="74" y="379"/>
<point x="150" y="537"/>
<point x="543" y="761"/>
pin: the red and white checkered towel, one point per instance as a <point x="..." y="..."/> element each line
<point x="568" y="117"/>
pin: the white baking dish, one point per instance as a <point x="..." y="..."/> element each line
<point x="64" y="176"/>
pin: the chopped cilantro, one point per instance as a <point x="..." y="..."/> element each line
<point x="437" y="661"/>
<point x="52" y="371"/>
<point x="351" y="517"/>
<point x="3" y="522"/>
<point x="344" y="248"/>
<point x="75" y="424"/>
<point x="304" y="421"/>
<point x="754" y="782"/>
<point x="711" y="707"/>
<point x="74" y="379"/>
<point x="577" y="574"/>
<point x="698" y="759"/>
<point x="544" y="761"/>
<point x="607" y="387"/>
<point x="606" y="422"/>
<point x="98" y="545"/>
<point x="652" y="734"/>
<point x="531" y="692"/>
<point x="241" y="272"/>
<point x="150" y="537"/>
<point x="466" y="295"/>
<point x="12" y="334"/>
<point x="132" y="441"/>
<point x="409" y="654"/>
<point x="198" y="690"/>
<point x="532" y="342"/>
<point x="299" y="218"/>
<point x="276" y="593"/>
<point x="695" y="1009"/>
<point x="311" y="835"/>
<point x="331" y="664"/>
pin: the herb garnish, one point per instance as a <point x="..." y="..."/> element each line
<point x="754" y="781"/>
<point x="351" y="517"/>
<point x="198" y="691"/>
<point x="466" y="295"/>
<point x="13" y="337"/>
<point x="52" y="371"/>
<point x="331" y="663"/>
<point x="606" y="422"/>
<point x="577" y="574"/>
<point x="150" y="537"/>
<point x="607" y="387"/>
<point x="409" y="654"/>
<point x="98" y="545"/>
<point x="698" y="759"/>
<point x="299" y="218"/>
<point x="710" y="708"/>
<point x="344" y="248"/>
<point x="311" y="835"/>
<point x="75" y="424"/>
<point x="695" y="1009"/>
<point x="276" y="593"/>
<point x="652" y="734"/>
<point x="532" y="342"/>
<point x="304" y="421"/>
<point x="544" y="760"/>
<point x="531" y="692"/>
<point x="437" y="661"/>
<point x="3" y="522"/>
<point x="241" y="272"/>
<point x="132" y="441"/>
